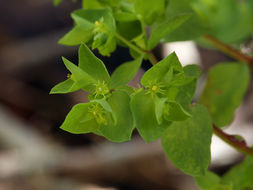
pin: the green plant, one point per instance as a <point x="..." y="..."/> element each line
<point x="162" y="106"/>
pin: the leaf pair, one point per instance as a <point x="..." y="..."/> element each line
<point x="95" y="27"/>
<point x="87" y="75"/>
<point x="153" y="107"/>
<point x="98" y="118"/>
<point x="108" y="113"/>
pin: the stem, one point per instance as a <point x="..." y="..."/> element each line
<point x="129" y="44"/>
<point x="150" y="55"/>
<point x="152" y="58"/>
<point x="239" y="145"/>
<point x="229" y="50"/>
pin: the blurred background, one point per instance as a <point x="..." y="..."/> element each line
<point x="36" y="155"/>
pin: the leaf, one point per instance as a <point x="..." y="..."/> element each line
<point x="64" y="87"/>
<point x="150" y="10"/>
<point x="230" y="21"/>
<point x="193" y="28"/>
<point x="89" y="63"/>
<point x="57" y="2"/>
<point x="125" y="72"/>
<point x="240" y="176"/>
<point x="122" y="131"/>
<point x="210" y="181"/>
<point x="193" y="71"/>
<point x="98" y="24"/>
<point x="187" y="143"/>
<point x="92" y="15"/>
<point x="76" y="36"/>
<point x="91" y="4"/>
<point x="108" y="47"/>
<point x="78" y="79"/>
<point x="158" y="71"/>
<point x="175" y="112"/>
<point x="125" y="16"/>
<point x="163" y="29"/>
<point x="159" y="107"/>
<point x="128" y="89"/>
<point x="224" y="91"/>
<point x="143" y="109"/>
<point x="185" y="93"/>
<point x="77" y="73"/>
<point x="79" y="121"/>
<point x="130" y="29"/>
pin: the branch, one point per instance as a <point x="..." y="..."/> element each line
<point x="150" y="55"/>
<point x="229" y="50"/>
<point x="238" y="144"/>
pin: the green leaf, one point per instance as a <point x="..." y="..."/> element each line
<point x="130" y="29"/>
<point x="90" y="16"/>
<point x="193" y="71"/>
<point x="76" y="36"/>
<point x="122" y="131"/>
<point x="128" y="89"/>
<point x="80" y="20"/>
<point x="98" y="24"/>
<point x="193" y="28"/>
<point x="77" y="73"/>
<point x="159" y="107"/>
<point x="224" y="91"/>
<point x="57" y="2"/>
<point x="109" y="46"/>
<point x="163" y="29"/>
<point x="210" y="181"/>
<point x="91" y="4"/>
<point x="230" y="21"/>
<point x="78" y="79"/>
<point x="158" y="71"/>
<point x="240" y="176"/>
<point x="187" y="143"/>
<point x="125" y="16"/>
<point x="175" y="112"/>
<point x="150" y="10"/>
<point x="125" y="72"/>
<point x="64" y="87"/>
<point x="185" y="93"/>
<point x="143" y="109"/>
<point x="89" y="63"/>
<point x="79" y="120"/>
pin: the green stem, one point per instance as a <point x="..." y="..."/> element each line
<point x="150" y="55"/>
<point x="129" y="44"/>
<point x="229" y="50"/>
<point x="239" y="145"/>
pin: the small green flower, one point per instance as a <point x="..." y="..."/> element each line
<point x="98" y="112"/>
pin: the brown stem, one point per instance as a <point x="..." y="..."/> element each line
<point x="229" y="50"/>
<point x="152" y="57"/>
<point x="239" y="145"/>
